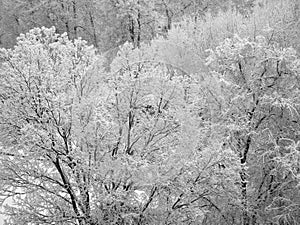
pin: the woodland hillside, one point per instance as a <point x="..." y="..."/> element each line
<point x="150" y="112"/>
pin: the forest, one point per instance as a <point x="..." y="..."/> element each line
<point x="150" y="112"/>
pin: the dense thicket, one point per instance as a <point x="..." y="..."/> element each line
<point x="150" y="112"/>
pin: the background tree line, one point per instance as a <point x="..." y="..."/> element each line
<point x="150" y="112"/>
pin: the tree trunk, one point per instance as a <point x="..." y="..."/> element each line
<point x="138" y="38"/>
<point x="75" y="18"/>
<point x="94" y="29"/>
<point x="243" y="175"/>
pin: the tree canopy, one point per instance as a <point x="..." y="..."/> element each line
<point x="149" y="112"/>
